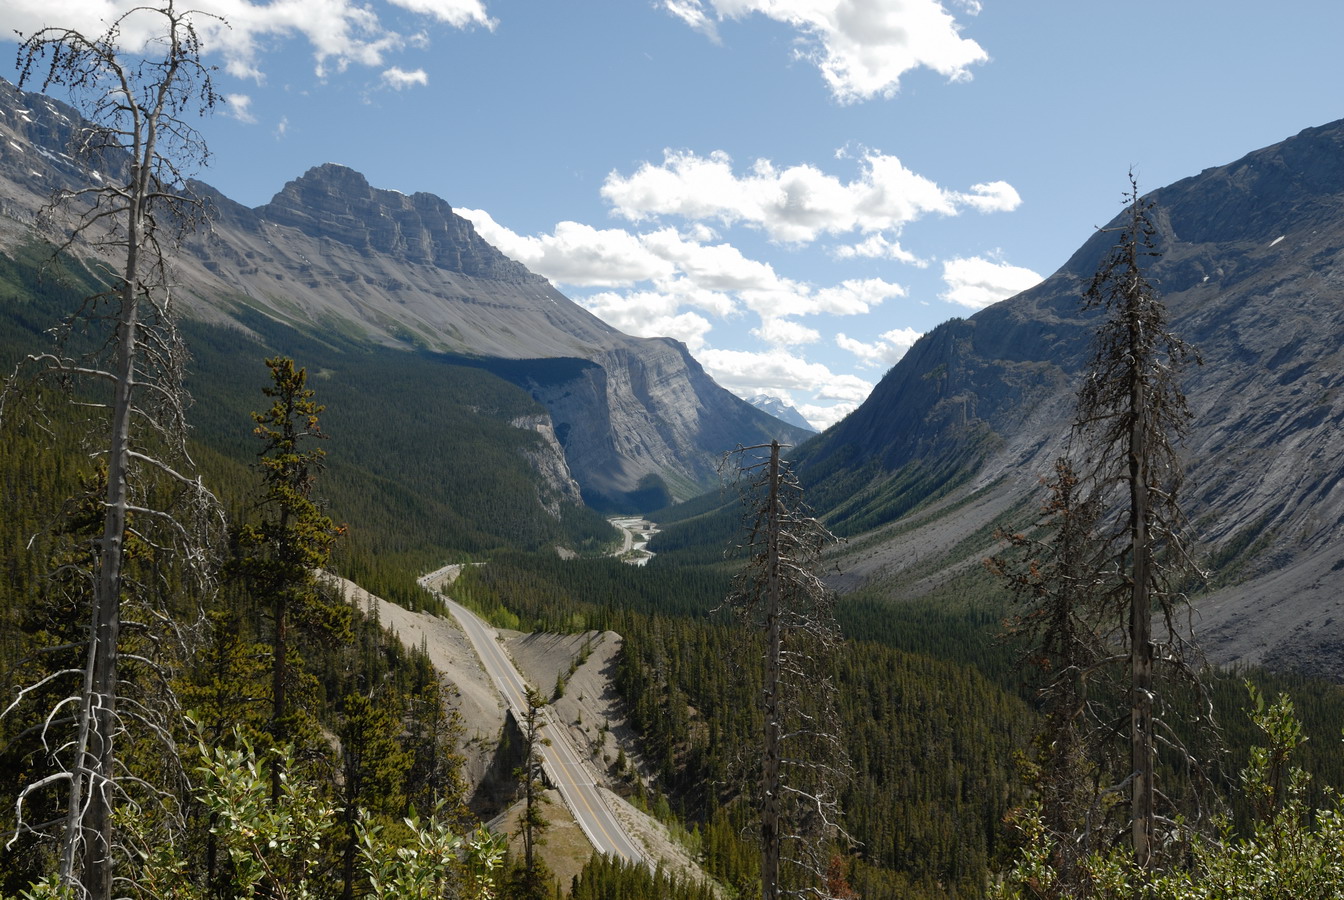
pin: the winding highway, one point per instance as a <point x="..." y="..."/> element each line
<point x="563" y="765"/>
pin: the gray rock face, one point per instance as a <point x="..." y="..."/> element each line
<point x="335" y="203"/>
<point x="332" y="255"/>
<point x="1252" y="271"/>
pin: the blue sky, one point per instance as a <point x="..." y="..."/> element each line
<point x="795" y="188"/>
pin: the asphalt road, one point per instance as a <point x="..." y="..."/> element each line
<point x="562" y="762"/>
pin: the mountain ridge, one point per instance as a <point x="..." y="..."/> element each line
<point x="332" y="255"/>
<point x="1252" y="271"/>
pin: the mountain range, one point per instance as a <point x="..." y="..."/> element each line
<point x="953" y="440"/>
<point x="636" y="422"/>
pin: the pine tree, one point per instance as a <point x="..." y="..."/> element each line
<point x="282" y="551"/>
<point x="1113" y="557"/>
<point x="531" y="880"/>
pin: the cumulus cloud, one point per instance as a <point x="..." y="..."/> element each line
<point x="746" y="373"/>
<point x="576" y="254"/>
<point x="649" y="314"/>
<point x="856" y="296"/>
<point x="877" y="246"/>
<point x="239" y="106"/>
<point x="717" y="278"/>
<point x="340" y="32"/>
<point x="976" y="282"/>
<point x="889" y="347"/>
<point x="398" y="78"/>
<point x="861" y="47"/>
<point x="796" y="204"/>
<point x="993" y="196"/>
<point x="785" y="332"/>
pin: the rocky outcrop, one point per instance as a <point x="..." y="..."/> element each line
<point x="548" y="459"/>
<point x="1252" y="271"/>
<point x="334" y="203"/>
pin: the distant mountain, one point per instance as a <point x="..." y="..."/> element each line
<point x="780" y="410"/>
<point x="1252" y="271"/>
<point x="638" y="420"/>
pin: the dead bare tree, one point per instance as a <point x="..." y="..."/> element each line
<point x="1131" y="417"/>
<point x="803" y="758"/>
<point x="137" y="103"/>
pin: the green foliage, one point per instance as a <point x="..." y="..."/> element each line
<point x="1291" y="852"/>
<point x="281" y="850"/>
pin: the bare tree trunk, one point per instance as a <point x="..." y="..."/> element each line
<point x="770" y="762"/>
<point x="132" y="106"/>
<point x="97" y="866"/>
<point x="1140" y="624"/>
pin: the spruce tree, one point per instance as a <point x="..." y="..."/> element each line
<point x="282" y="551"/>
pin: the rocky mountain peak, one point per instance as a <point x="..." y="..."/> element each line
<point x="334" y="202"/>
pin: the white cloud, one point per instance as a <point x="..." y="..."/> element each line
<point x="717" y="278"/>
<point x="785" y="332"/>
<point x="889" y="347"/>
<point x="795" y="204"/>
<point x="649" y="314"/>
<point x="399" y="79"/>
<point x="239" y="106"/>
<point x="977" y="282"/>
<point x="719" y="266"/>
<point x="457" y="13"/>
<point x="340" y="32"/>
<point x="862" y="47"/>
<point x="856" y="296"/>
<point x="993" y="196"/>
<point x="823" y="417"/>
<point x="693" y="14"/>
<point x="281" y="127"/>
<point x="746" y="373"/>
<point x="576" y="254"/>
<point x="877" y="246"/>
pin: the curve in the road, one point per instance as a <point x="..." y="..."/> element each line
<point x="564" y="765"/>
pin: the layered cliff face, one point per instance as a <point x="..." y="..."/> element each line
<point x="332" y="255"/>
<point x="1252" y="271"/>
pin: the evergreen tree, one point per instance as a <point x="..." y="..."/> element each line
<point x="532" y="879"/>
<point x="282" y="551"/>
<point x="374" y="765"/>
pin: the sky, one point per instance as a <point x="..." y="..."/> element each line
<point x="796" y="189"/>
